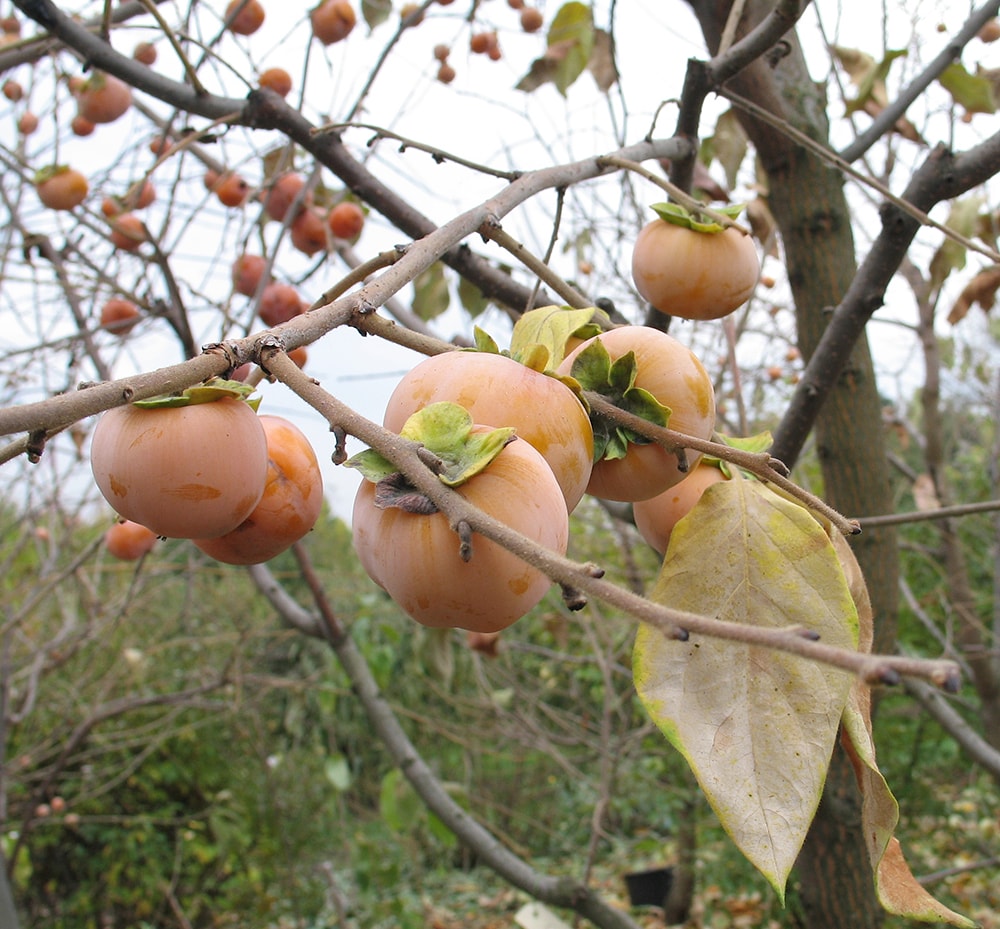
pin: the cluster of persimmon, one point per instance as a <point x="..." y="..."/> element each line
<point x="517" y="440"/>
<point x="521" y="436"/>
<point x="203" y="465"/>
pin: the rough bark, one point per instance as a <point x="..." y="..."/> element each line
<point x="807" y="199"/>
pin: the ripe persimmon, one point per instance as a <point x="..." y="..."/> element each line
<point x="231" y="189"/>
<point x="346" y="220"/>
<point x="694" y="274"/>
<point x="119" y="315"/>
<point x="279" y="303"/>
<point x="656" y="517"/>
<point x="103" y="98"/>
<point x="244" y="17"/>
<point x="247" y="270"/>
<point x="60" y="187"/>
<point x="669" y="373"/>
<point x="332" y="20"/>
<point x="276" y="79"/>
<point x="308" y="231"/>
<point x="193" y="471"/>
<point x="282" y="194"/>
<point x="128" y="232"/>
<point x="415" y="557"/>
<point x="289" y="506"/>
<point x="498" y="391"/>
<point x="129" y="541"/>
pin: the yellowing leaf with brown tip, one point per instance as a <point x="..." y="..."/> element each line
<point x="756" y="725"/>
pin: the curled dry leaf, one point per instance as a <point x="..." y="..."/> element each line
<point x="982" y="289"/>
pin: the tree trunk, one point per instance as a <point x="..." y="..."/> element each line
<point x="807" y="199"/>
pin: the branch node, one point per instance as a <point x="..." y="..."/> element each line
<point x="36" y="445"/>
<point x="339" y="455"/>
<point x="127" y="393"/>
<point x="464" y="531"/>
<point x="574" y="599"/>
<point x="593" y="570"/>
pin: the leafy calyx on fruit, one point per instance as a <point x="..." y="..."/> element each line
<point x="677" y="215"/>
<point x="444" y="429"/>
<point x="594" y="370"/>
<point x="47" y="173"/>
<point x="215" y="388"/>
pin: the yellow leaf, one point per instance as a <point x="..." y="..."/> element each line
<point x="757" y="726"/>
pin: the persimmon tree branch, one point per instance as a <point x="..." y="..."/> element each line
<point x="556" y="891"/>
<point x="587" y="579"/>
<point x="899" y="104"/>
<point x="302" y="330"/>
<point x="942" y="176"/>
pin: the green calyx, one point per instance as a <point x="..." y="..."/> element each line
<point x="594" y="370"/>
<point x="445" y="430"/>
<point x="677" y="215"/>
<point x="215" y="388"/>
<point x="47" y="173"/>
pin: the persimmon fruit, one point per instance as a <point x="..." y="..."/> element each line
<point x="282" y="194"/>
<point x="129" y="541"/>
<point x="656" y="517"/>
<point x="308" y="231"/>
<point x="184" y="472"/>
<point x="61" y="188"/>
<point x="244" y="17"/>
<point x="104" y="98"/>
<point x="289" y="506"/>
<point x="13" y="90"/>
<point x="145" y="53"/>
<point x="498" y="391"/>
<point x="691" y="274"/>
<point x="675" y="377"/>
<point x="332" y="21"/>
<point x="119" y="315"/>
<point x="127" y="232"/>
<point x="276" y="79"/>
<point x="247" y="271"/>
<point x="279" y="302"/>
<point x="346" y="220"/>
<point x="231" y="189"/>
<point x="27" y="123"/>
<point x="415" y="557"/>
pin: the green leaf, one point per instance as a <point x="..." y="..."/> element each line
<point x="756" y="725"/>
<point x="971" y="91"/>
<point x="484" y="342"/>
<point x="398" y="802"/>
<point x="338" y="772"/>
<point x="570" y="44"/>
<point x="431" y="297"/>
<point x="473" y="301"/>
<point x="549" y="327"/>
